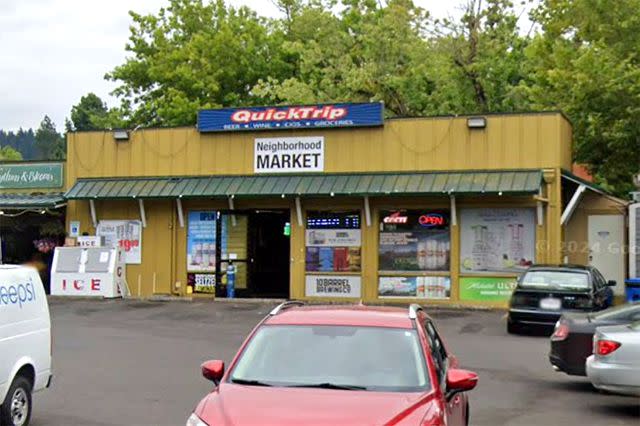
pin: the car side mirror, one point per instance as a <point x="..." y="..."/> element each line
<point x="213" y="370"/>
<point x="460" y="381"/>
<point x="611" y="283"/>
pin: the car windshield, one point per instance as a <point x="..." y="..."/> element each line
<point x="555" y="279"/>
<point x="339" y="357"/>
<point x="616" y="312"/>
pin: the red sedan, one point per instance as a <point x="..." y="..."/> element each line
<point x="339" y="365"/>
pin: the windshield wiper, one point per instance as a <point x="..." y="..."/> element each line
<point x="328" y="386"/>
<point x="249" y="382"/>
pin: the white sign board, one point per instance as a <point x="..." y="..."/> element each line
<point x="497" y="239"/>
<point x="287" y="155"/>
<point x="333" y="238"/>
<point x="332" y="286"/>
<point x="90" y="241"/>
<point x="126" y="234"/>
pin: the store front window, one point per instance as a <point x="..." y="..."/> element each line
<point x="496" y="245"/>
<point x="414" y="254"/>
<point x="497" y="240"/>
<point x="333" y="242"/>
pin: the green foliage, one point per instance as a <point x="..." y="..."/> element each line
<point x="194" y="55"/>
<point x="9" y="154"/>
<point x="585" y="63"/>
<point x="86" y="115"/>
<point x="49" y="143"/>
<point x="22" y="141"/>
<point x="197" y="54"/>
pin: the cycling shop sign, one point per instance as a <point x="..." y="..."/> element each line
<point x="31" y="175"/>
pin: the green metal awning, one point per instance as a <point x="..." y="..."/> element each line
<point x="505" y="182"/>
<point x="20" y="201"/>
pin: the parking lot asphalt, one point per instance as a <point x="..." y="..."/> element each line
<point x="137" y="363"/>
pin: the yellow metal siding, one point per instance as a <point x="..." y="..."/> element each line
<point x="538" y="141"/>
<point x="508" y="142"/>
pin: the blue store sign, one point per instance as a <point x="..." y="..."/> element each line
<point x="291" y="117"/>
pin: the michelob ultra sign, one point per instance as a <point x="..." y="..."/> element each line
<point x="291" y="117"/>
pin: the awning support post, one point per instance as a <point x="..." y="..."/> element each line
<point x="299" y="211"/>
<point x="231" y="207"/>
<point x="573" y="203"/>
<point x="180" y="212"/>
<point x="540" y="213"/>
<point x="454" y="213"/>
<point x="367" y="211"/>
<point x="143" y="214"/>
<point x="94" y="216"/>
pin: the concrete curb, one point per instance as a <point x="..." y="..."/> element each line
<point x="259" y="301"/>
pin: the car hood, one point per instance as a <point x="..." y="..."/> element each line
<point x="252" y="405"/>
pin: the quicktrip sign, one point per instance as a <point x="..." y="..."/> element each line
<point x="291" y="117"/>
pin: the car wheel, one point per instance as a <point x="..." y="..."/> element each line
<point x="16" y="408"/>
<point x="513" y="328"/>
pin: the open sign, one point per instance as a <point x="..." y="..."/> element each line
<point x="431" y="219"/>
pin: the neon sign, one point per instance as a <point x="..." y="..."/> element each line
<point x="431" y="219"/>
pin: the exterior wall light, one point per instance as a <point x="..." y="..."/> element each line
<point x="121" y="135"/>
<point x="476" y="122"/>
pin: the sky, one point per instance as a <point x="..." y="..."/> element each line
<point x="55" y="51"/>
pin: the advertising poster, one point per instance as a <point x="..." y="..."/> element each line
<point x="497" y="240"/>
<point x="414" y="240"/>
<point x="126" y="234"/>
<point x="333" y="242"/>
<point x="415" y="287"/>
<point x="201" y="241"/>
<point x="202" y="283"/>
<point x="332" y="286"/>
<point x="486" y="289"/>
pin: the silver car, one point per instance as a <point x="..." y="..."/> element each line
<point x="615" y="363"/>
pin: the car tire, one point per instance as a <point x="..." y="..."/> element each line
<point x="16" y="408"/>
<point x="513" y="327"/>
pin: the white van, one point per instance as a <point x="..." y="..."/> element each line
<point x="25" y="342"/>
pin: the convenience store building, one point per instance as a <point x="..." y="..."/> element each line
<point x="333" y="202"/>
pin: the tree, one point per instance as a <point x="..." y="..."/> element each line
<point x="49" y="143"/>
<point x="9" y="154"/>
<point x="194" y="55"/>
<point x="86" y="115"/>
<point x="482" y="58"/>
<point x="585" y="63"/>
<point x="370" y="51"/>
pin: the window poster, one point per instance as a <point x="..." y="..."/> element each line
<point x="414" y="240"/>
<point x="333" y="242"/>
<point x="126" y="234"/>
<point x="415" y="287"/>
<point x="497" y="239"/>
<point x="201" y="241"/>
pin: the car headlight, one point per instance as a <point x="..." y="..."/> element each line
<point x="194" y="420"/>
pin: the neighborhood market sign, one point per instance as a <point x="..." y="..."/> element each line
<point x="31" y="175"/>
<point x="291" y="117"/>
<point x="289" y="155"/>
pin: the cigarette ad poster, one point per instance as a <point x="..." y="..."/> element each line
<point x="202" y="283"/>
<point x="333" y="242"/>
<point x="126" y="234"/>
<point x="201" y="241"/>
<point x="497" y="240"/>
<point x="415" y="287"/>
